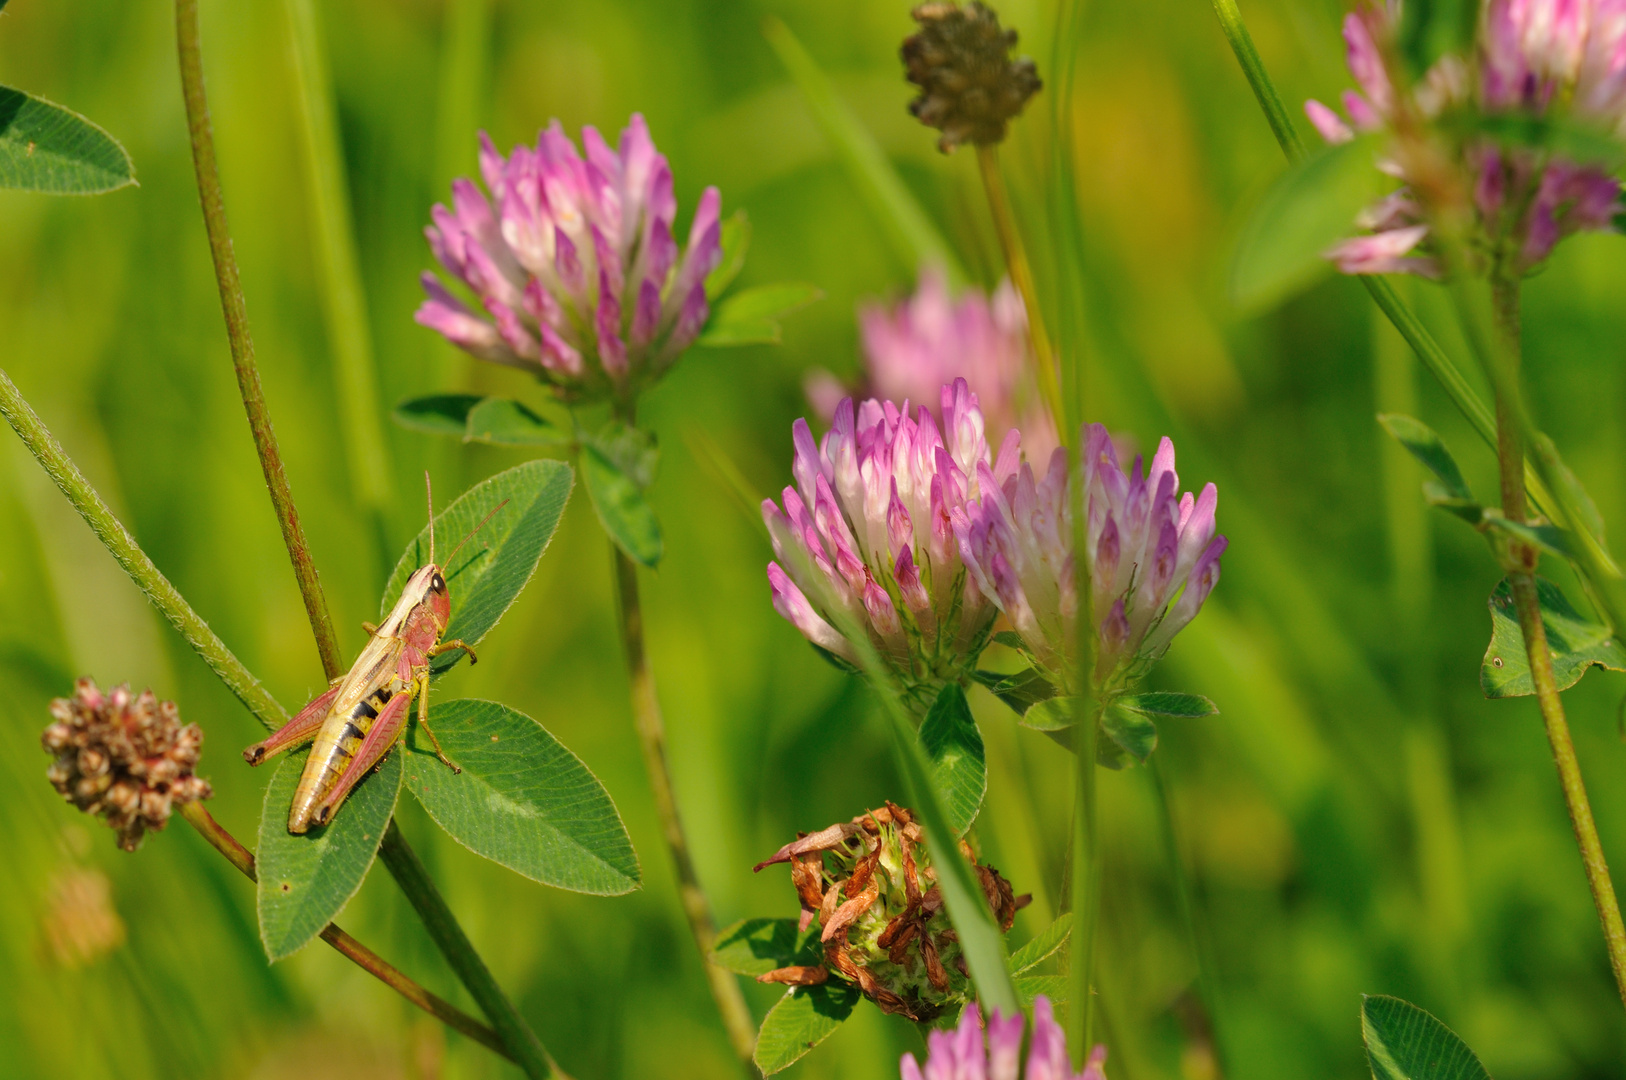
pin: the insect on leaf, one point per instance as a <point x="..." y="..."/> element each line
<point x="1576" y="643"/>
<point x="1405" y="1043"/>
<point x="494" y="566"/>
<point x="953" y="745"/>
<point x="803" y="1018"/>
<point x="306" y="880"/>
<point x="47" y="148"/>
<point x="758" y="946"/>
<point x="522" y="799"/>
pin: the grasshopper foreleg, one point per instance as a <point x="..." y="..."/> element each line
<point x="371" y="628"/>
<point x="423" y="722"/>
<point x="448" y="646"/>
<point x="301" y="729"/>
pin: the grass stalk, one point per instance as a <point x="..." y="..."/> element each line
<point x="347" y="946"/>
<point x="646" y="714"/>
<point x="344" y="301"/>
<point x="242" y="344"/>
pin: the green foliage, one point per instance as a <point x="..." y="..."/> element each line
<point x="618" y="465"/>
<point x="752" y="317"/>
<point x="501" y="422"/>
<point x="1021" y="691"/>
<point x="1029" y="987"/>
<point x="1044" y="946"/>
<point x="1129" y="735"/>
<point x="1430" y="29"/>
<point x="758" y="946"/>
<point x="47" y="148"/>
<point x="1575" y="641"/>
<point x="496" y="563"/>
<point x="735" y="239"/>
<point x="953" y="745"/>
<point x="522" y="799"/>
<point x="1405" y="1043"/>
<point x="438" y="414"/>
<point x="306" y="880"/>
<point x="1426" y="446"/>
<point x="803" y="1018"/>
<point x="1283" y="247"/>
<point x="1166" y="703"/>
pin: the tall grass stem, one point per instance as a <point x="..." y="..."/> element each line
<point x="242" y="344"/>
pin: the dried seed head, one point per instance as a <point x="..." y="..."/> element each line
<point x="871" y="887"/>
<point x="969" y="85"/>
<point x="124" y="757"/>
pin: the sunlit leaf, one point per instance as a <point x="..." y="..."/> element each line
<point x="522" y="799"/>
<point x="508" y="423"/>
<point x="952" y="743"/>
<point x="306" y="880"/>
<point x="1405" y="1043"/>
<point x="1129" y="735"/>
<point x="1576" y="643"/>
<point x="1284" y="244"/>
<point x="1044" y="946"/>
<point x="1053" y="987"/>
<point x="758" y="946"/>
<point x="438" y="414"/>
<point x="752" y="317"/>
<point x="619" y="501"/>
<point x="491" y="569"/>
<point x="803" y="1018"/>
<point x="735" y="239"/>
<point x="1021" y="691"/>
<point x="1427" y="447"/>
<point x="1166" y="703"/>
<point x="47" y="148"/>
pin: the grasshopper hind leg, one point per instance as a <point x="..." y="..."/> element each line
<point x="423" y="722"/>
<point x="301" y="729"/>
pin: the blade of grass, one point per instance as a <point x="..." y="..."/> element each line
<point x="911" y="234"/>
<point x="344" y="302"/>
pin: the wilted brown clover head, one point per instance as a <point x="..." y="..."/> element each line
<point x="969" y="85"/>
<point x="126" y="758"/>
<point x="871" y="885"/>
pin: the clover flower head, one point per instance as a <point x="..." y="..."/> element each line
<point x="969" y="85"/>
<point x="882" y="922"/>
<point x="574" y="260"/>
<point x="1532" y="56"/>
<point x="1154" y="556"/>
<point x="926" y="341"/>
<point x="865" y="536"/>
<point x="961" y="1054"/>
<point x="124" y="757"/>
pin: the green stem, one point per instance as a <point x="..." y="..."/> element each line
<point x="1196" y="939"/>
<point x="117" y="539"/>
<point x="242" y="345"/>
<point x="1016" y="262"/>
<point x="646" y="714"/>
<point x="1505" y="292"/>
<point x="1085" y="890"/>
<point x="347" y="946"/>
<point x="409" y="873"/>
<point x="1276" y="114"/>
<point x="344" y="301"/>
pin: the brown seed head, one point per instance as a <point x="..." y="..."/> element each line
<point x="871" y="887"/>
<point x="126" y="758"/>
<point x="969" y="85"/>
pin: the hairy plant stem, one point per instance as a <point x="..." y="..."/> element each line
<point x="347" y="946"/>
<point x="1511" y="459"/>
<point x="242" y="345"/>
<point x="1016" y="262"/>
<point x="408" y="871"/>
<point x="403" y="863"/>
<point x="646" y="715"/>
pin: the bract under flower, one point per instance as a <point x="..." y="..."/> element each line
<point x="865" y="536"/>
<point x="575" y="263"/>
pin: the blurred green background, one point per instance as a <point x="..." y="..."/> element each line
<point x="1358" y="819"/>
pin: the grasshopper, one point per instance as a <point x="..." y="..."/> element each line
<point x="363" y="714"/>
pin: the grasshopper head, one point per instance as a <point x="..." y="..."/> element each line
<point x="427" y="591"/>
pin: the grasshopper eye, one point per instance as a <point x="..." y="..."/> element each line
<point x="437" y="583"/>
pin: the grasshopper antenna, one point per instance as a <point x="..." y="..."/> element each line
<point x="474" y="530"/>
<point x="429" y="494"/>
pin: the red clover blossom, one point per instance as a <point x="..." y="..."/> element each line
<point x="961" y="1054"/>
<point x="575" y="263"/>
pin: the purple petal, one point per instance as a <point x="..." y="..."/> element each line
<point x="1327" y="122"/>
